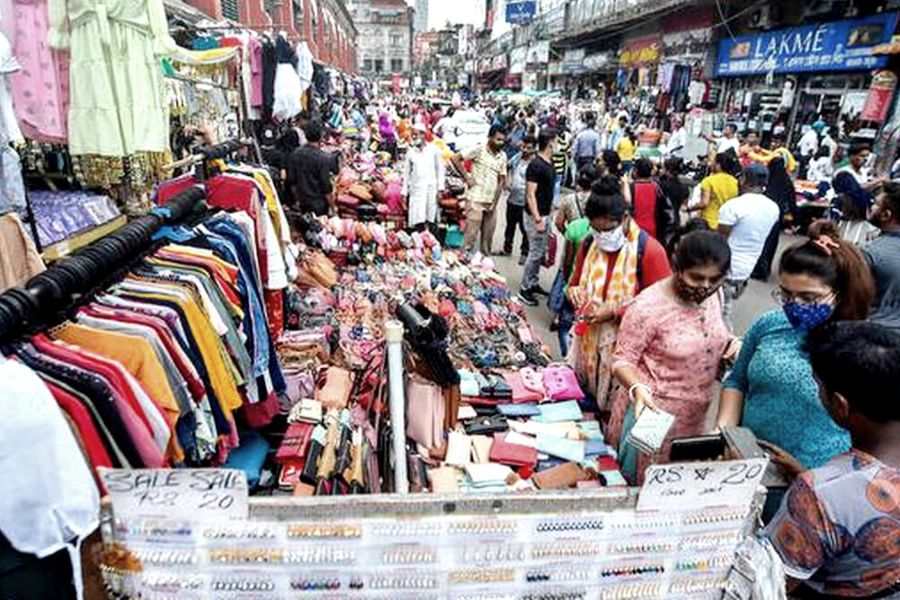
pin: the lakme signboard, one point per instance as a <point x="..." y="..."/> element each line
<point x="836" y="46"/>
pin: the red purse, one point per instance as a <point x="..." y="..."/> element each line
<point x="513" y="455"/>
<point x="550" y="257"/>
<point x="295" y="444"/>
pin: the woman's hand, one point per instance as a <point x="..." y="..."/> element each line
<point x="643" y="399"/>
<point x="790" y="466"/>
<point x="577" y="297"/>
<point x="732" y="350"/>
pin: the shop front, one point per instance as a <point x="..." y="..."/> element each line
<point x="780" y="81"/>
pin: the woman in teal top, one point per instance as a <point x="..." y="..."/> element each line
<point x="771" y="389"/>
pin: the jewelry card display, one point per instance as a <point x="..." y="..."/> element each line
<point x="600" y="554"/>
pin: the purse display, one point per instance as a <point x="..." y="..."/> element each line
<point x="483" y="425"/>
<point x="334" y="389"/>
<point x="561" y="383"/>
<point x="425" y="412"/>
<point x="512" y="454"/>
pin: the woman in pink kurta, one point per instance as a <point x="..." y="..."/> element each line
<point x="670" y="344"/>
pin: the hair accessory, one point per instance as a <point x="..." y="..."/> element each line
<point x="826" y="244"/>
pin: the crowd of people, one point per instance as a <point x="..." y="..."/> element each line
<point x="650" y="268"/>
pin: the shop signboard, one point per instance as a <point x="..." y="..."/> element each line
<point x="640" y="51"/>
<point x="599" y="61"/>
<point x="573" y="61"/>
<point x="878" y="100"/>
<point x="517" y="59"/>
<point x="538" y="53"/>
<point x="836" y="46"/>
<point x="520" y="12"/>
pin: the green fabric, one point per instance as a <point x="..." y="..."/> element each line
<point x="628" y="454"/>
<point x="577" y="230"/>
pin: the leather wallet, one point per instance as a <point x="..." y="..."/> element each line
<point x="564" y="476"/>
<point x="481" y="448"/>
<point x="459" y="448"/>
<point x="512" y="454"/>
<point x="559" y="412"/>
<point x="483" y="425"/>
<point x="295" y="443"/>
<point x="443" y="479"/>
<point x="519" y="410"/>
<point x="571" y="450"/>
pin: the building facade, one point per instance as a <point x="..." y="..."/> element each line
<point x="385" y="40"/>
<point x="325" y="25"/>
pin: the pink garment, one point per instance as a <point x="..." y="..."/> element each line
<point x="676" y="349"/>
<point x="256" y="73"/>
<point x="41" y="87"/>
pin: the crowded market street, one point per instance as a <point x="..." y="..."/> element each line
<point x="470" y="300"/>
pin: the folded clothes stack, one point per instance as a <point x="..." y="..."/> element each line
<point x="512" y="421"/>
<point x="61" y="215"/>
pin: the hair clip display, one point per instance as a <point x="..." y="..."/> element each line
<point x="494" y="553"/>
<point x="408" y="555"/>
<point x="564" y="526"/>
<point x="243" y="584"/>
<point x="616" y="555"/>
<point x="468" y="576"/>
<point x="484" y="527"/>
<point x="324" y="531"/>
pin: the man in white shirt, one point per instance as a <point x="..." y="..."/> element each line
<point x="423" y="179"/>
<point x="809" y="146"/>
<point x="675" y="147"/>
<point x="728" y="141"/>
<point x="746" y="221"/>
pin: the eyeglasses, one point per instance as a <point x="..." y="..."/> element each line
<point x="782" y="296"/>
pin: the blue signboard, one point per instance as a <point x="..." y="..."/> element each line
<point x="520" y="13"/>
<point x="836" y="46"/>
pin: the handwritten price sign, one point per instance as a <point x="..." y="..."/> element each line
<point x="701" y="484"/>
<point x="194" y="494"/>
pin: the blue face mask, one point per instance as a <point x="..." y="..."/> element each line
<point x="807" y="316"/>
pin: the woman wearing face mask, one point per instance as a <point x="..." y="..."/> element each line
<point x="575" y="227"/>
<point x="614" y="263"/>
<point x="671" y="342"/>
<point x="771" y="389"/>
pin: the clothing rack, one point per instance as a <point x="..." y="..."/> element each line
<point x="67" y="282"/>
<point x="207" y="153"/>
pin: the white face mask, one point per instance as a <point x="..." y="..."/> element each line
<point x="610" y="241"/>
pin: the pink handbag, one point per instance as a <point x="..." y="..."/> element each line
<point x="425" y="411"/>
<point x="561" y="383"/>
<point x="524" y="388"/>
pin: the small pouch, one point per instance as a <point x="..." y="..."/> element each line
<point x="559" y="412"/>
<point x="289" y="477"/>
<point x="488" y="474"/>
<point x="481" y="448"/>
<point x="465" y="412"/>
<point x="459" y="449"/>
<point x="567" y="449"/>
<point x="443" y="479"/>
<point x="487" y="425"/>
<point x="334" y="392"/>
<point x="468" y="384"/>
<point x="519" y="410"/>
<point x="597" y="448"/>
<point x="512" y="454"/>
<point x="306" y="411"/>
<point x="295" y="444"/>
<point x="496" y="388"/>
<point x="561" y="383"/>
<point x="559" y="478"/>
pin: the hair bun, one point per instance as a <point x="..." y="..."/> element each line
<point x="823" y="227"/>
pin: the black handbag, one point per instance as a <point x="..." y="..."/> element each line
<point x="486" y="425"/>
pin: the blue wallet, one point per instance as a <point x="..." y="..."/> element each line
<point x="519" y="410"/>
<point x="571" y="450"/>
<point x="559" y="412"/>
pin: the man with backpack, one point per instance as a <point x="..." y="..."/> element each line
<point x="653" y="210"/>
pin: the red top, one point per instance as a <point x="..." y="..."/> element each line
<point x="90" y="437"/>
<point x="654" y="265"/>
<point x="645" y="198"/>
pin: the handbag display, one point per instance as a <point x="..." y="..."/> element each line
<point x="425" y="412"/>
<point x="561" y="383"/>
<point x="295" y="444"/>
<point x="561" y="477"/>
<point x="527" y="385"/>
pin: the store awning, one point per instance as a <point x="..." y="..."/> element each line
<point x="184" y="12"/>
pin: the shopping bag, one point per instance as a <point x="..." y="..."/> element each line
<point x="550" y="257"/>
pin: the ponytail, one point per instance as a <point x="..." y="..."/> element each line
<point x="839" y="264"/>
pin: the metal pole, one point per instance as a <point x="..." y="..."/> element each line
<point x="393" y="334"/>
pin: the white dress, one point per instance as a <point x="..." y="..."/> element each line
<point x="423" y="178"/>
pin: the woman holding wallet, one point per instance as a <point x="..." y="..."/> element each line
<point x="670" y="345"/>
<point x="614" y="263"/>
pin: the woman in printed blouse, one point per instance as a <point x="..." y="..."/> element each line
<point x="670" y="344"/>
<point x="771" y="389"/>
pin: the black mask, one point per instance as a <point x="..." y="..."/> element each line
<point x="690" y="293"/>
